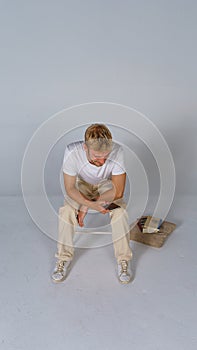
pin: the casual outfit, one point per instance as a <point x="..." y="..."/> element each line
<point x="92" y="181"/>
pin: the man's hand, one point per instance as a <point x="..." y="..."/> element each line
<point x="84" y="209"/>
<point x="75" y="194"/>
<point x="99" y="206"/>
<point x="81" y="214"/>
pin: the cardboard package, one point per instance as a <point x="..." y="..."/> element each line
<point x="153" y="239"/>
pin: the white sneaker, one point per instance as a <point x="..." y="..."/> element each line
<point x="60" y="271"/>
<point x="125" y="273"/>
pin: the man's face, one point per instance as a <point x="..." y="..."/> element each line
<point x="96" y="158"/>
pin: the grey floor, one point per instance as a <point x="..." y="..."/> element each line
<point x="91" y="310"/>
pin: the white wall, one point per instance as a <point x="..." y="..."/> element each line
<point x="137" y="53"/>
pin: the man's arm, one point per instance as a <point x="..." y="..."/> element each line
<point x="118" y="182"/>
<point x="73" y="192"/>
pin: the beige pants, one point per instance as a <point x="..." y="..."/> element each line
<point x="68" y="222"/>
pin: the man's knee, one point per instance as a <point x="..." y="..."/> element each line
<point x="118" y="213"/>
<point x="67" y="211"/>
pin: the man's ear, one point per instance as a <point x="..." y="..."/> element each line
<point x="85" y="147"/>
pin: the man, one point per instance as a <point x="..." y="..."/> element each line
<point x="94" y="177"/>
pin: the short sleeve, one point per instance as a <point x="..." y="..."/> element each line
<point x="69" y="162"/>
<point x="119" y="164"/>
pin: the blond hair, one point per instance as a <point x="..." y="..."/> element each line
<point x="98" y="137"/>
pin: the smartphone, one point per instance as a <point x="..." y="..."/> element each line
<point x="111" y="206"/>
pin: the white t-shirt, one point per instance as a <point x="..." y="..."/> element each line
<point x="75" y="163"/>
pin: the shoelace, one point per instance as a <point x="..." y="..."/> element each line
<point x="124" y="266"/>
<point x="60" y="266"/>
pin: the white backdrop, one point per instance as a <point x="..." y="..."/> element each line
<point x="58" y="54"/>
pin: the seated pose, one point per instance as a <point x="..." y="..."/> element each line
<point x="94" y="177"/>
